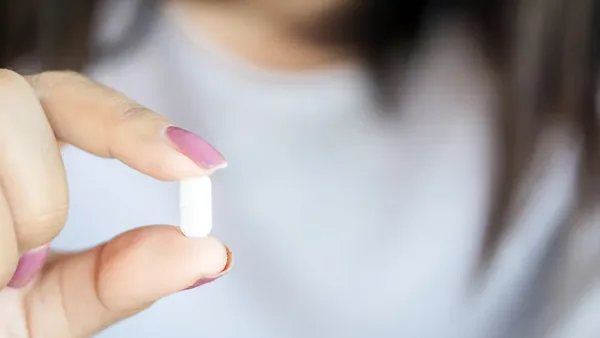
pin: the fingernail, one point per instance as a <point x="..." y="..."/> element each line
<point x="210" y="279"/>
<point x="28" y="267"/>
<point x="195" y="148"/>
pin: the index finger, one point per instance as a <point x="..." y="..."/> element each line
<point x="104" y="122"/>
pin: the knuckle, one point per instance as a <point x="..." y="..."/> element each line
<point x="11" y="81"/>
<point x="128" y="110"/>
<point x="131" y="110"/>
<point x="53" y="77"/>
<point x="131" y="113"/>
<point x="45" y="81"/>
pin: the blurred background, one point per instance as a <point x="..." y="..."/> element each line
<point x="381" y="155"/>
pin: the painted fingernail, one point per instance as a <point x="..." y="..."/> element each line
<point x="209" y="279"/>
<point x="195" y="148"/>
<point x="29" y="265"/>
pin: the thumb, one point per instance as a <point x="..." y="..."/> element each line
<point x="80" y="294"/>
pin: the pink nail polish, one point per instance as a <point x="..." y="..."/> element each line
<point x="201" y="282"/>
<point x="29" y="265"/>
<point x="194" y="147"/>
<point x="210" y="279"/>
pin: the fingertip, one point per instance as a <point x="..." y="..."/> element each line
<point x="188" y="155"/>
<point x="113" y="281"/>
<point x="212" y="256"/>
<point x="195" y="148"/>
<point x="174" y="166"/>
<point x="152" y="152"/>
<point x="146" y="264"/>
<point x="211" y="278"/>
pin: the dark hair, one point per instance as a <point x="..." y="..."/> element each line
<point x="545" y="54"/>
<point x="57" y="32"/>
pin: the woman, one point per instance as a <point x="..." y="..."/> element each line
<point x="457" y="199"/>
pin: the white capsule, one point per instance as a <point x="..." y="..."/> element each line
<point x="195" y="206"/>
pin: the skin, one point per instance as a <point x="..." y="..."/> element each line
<point x="268" y="33"/>
<point x="78" y="294"/>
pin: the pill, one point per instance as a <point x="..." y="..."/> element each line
<point x="195" y="206"/>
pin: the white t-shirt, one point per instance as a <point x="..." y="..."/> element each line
<point x="344" y="222"/>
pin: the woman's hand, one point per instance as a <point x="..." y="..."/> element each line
<point x="78" y="294"/>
